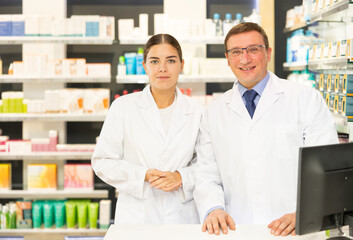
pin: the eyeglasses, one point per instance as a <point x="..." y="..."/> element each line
<point x="253" y="50"/>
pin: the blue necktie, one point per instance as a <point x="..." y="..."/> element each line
<point x="249" y="96"/>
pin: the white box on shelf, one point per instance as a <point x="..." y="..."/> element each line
<point x="343" y="47"/>
<point x="79" y="25"/>
<point x="143" y="23"/>
<point x="18" y="146"/>
<point x="104" y="213"/>
<point x="96" y="100"/>
<point x="81" y="69"/>
<point x="18" y="68"/>
<point x="68" y="67"/>
<point x="159" y="18"/>
<point x="125" y="28"/>
<point x="98" y="69"/>
<point x="45" y="25"/>
<point x="52" y="101"/>
<point x="71" y="100"/>
<point x="31" y="25"/>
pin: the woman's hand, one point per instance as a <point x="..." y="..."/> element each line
<point x="166" y="181"/>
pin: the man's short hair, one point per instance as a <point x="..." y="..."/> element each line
<point x="246" y="27"/>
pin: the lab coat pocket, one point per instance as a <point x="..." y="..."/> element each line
<point x="287" y="141"/>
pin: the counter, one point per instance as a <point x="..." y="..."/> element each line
<point x="193" y="232"/>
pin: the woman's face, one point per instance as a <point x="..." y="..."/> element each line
<point x="163" y="66"/>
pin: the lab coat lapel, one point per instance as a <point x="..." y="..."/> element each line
<point x="235" y="103"/>
<point x="150" y="110"/>
<point x="270" y="95"/>
<point x="180" y="115"/>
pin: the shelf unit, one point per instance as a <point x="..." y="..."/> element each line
<point x="43" y="234"/>
<point x="13" y="40"/>
<point x="54" y="79"/>
<point x="182" y="78"/>
<point x="68" y="117"/>
<point x="46" y="156"/>
<point x="298" y="66"/>
<point x="53" y="194"/>
<point x="322" y="15"/>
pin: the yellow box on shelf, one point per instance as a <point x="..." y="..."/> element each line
<point x="5" y="176"/>
<point x="41" y="176"/>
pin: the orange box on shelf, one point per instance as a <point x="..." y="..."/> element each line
<point x="41" y="176"/>
<point x="5" y="176"/>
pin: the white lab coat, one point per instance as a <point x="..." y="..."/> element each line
<point x="133" y="140"/>
<point x="249" y="166"/>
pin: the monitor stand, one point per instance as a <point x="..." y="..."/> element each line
<point x="348" y="220"/>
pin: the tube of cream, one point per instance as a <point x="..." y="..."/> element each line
<point x="70" y="214"/>
<point x="93" y="215"/>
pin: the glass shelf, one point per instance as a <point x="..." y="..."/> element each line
<point x="53" y="194"/>
<point x="9" y="40"/>
<point x="52" y="79"/>
<point x="19" y="117"/>
<point x="295" y="66"/>
<point x="46" y="156"/>
<point x="339" y="63"/>
<point x="182" y="78"/>
<point x="327" y="12"/>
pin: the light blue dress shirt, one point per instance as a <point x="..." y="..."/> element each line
<point x="259" y="88"/>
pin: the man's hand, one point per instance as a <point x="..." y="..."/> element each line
<point x="218" y="218"/>
<point x="284" y="225"/>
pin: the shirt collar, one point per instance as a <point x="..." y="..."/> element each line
<point x="259" y="87"/>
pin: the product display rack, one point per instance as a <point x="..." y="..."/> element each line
<point x="53" y="79"/>
<point x="322" y="15"/>
<point x="338" y="12"/>
<point x="182" y="78"/>
<point x="53" y="194"/>
<point x="67" y="117"/>
<point x="42" y="234"/>
<point x="38" y="125"/>
<point x="295" y="66"/>
<point x="65" y="40"/>
<point x="47" y="156"/>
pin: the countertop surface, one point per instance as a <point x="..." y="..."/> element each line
<point x="186" y="232"/>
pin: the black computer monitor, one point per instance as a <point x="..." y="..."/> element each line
<point x="325" y="188"/>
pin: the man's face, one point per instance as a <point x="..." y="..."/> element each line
<point x="249" y="67"/>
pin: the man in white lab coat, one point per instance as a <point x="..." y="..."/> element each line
<point x="249" y="141"/>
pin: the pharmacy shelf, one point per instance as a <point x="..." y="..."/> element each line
<point x="182" y="78"/>
<point x="195" y="39"/>
<point x="46" y="156"/>
<point x="53" y="194"/>
<point x="10" y="40"/>
<point x="339" y="63"/>
<point x="44" y="231"/>
<point x="53" y="79"/>
<point x="19" y="117"/>
<point x="295" y="27"/>
<point x="331" y="10"/>
<point x="295" y="66"/>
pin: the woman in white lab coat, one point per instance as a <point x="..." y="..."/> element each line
<point x="146" y="148"/>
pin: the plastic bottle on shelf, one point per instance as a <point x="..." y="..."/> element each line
<point x="139" y="60"/>
<point x="228" y="23"/>
<point x="121" y="66"/>
<point x="5" y="218"/>
<point x="238" y="19"/>
<point x="12" y="216"/>
<point x="218" y="24"/>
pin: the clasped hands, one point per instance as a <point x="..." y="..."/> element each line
<point x="220" y="219"/>
<point x="164" y="180"/>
